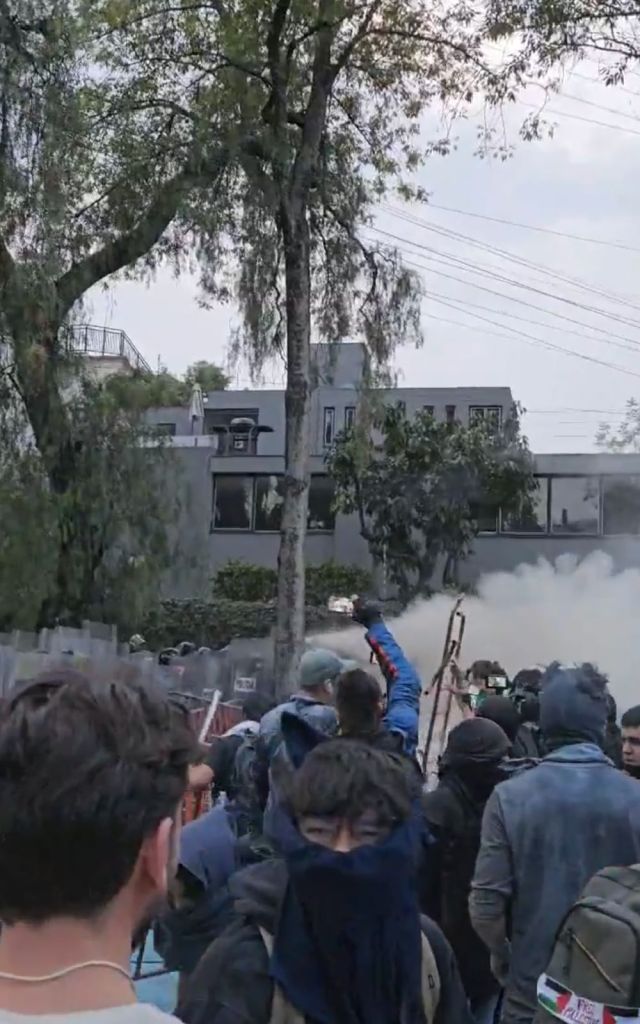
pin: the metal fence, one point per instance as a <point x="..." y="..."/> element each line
<point x="106" y="341"/>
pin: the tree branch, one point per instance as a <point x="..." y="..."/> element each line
<point x="129" y="247"/>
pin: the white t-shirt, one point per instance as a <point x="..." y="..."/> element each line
<point x="136" y="1013"/>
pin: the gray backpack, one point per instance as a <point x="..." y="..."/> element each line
<point x="594" y="971"/>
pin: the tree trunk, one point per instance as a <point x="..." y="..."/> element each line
<point x="290" y="622"/>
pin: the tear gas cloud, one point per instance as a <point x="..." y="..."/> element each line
<point x="570" y="611"/>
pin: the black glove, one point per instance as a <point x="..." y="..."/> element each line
<point x="366" y="613"/>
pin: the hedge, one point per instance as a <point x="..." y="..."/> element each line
<point x="241" y="581"/>
<point x="211" y="623"/>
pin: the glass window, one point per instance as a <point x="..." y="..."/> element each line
<point x="349" y="417"/>
<point x="428" y="410"/>
<point x="329" y="426"/>
<point x="232" y="502"/>
<point x="621" y="505"/>
<point x="575" y="504"/>
<point x="491" y="415"/>
<point x="450" y="411"/>
<point x="165" y="429"/>
<point x="321" y="493"/>
<point x="531" y="516"/>
<point x="269" y="499"/>
<point x="486" y="517"/>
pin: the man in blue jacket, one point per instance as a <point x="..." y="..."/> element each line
<point x="359" y="703"/>
<point x="547" y="831"/>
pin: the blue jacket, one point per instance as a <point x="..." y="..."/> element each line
<point x="545" y="833"/>
<point x="404" y="687"/>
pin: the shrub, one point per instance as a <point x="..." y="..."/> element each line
<point x="241" y="581"/>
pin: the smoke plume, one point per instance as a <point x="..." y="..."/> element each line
<point x="570" y="611"/>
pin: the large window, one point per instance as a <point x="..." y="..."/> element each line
<point x="321" y="494"/>
<point x="575" y="504"/>
<point x="255" y="503"/>
<point x="621" y="505"/>
<point x="232" y="502"/>
<point x="531" y="516"/>
<point x="349" y="417"/>
<point x="269" y="499"/>
<point x="485" y="516"/>
<point x="488" y="415"/>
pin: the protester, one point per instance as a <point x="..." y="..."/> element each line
<point x="613" y="736"/>
<point x="361" y="709"/>
<point x="631" y="741"/>
<point x="332" y="932"/>
<point x="545" y="833"/>
<point x="469" y="769"/>
<point x="92" y="775"/>
<point x="225" y="769"/>
<point x="504" y="713"/>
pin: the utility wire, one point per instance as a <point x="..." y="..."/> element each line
<point x="451" y="261"/>
<point x="534" y="227"/>
<point x="512" y="257"/>
<point x="532" y="340"/>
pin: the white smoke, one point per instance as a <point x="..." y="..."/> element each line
<point x="570" y="611"/>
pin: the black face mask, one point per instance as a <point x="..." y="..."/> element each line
<point x="348" y="946"/>
<point x="633" y="770"/>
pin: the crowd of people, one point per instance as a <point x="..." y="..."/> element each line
<point x="330" y="883"/>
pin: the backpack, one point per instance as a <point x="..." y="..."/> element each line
<point x="282" y="1011"/>
<point x="593" y="976"/>
<point x="245" y="793"/>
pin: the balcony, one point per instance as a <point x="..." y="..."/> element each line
<point x="106" y="342"/>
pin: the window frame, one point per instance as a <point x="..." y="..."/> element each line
<point x="546" y="532"/>
<point x="597" y="478"/>
<point x="331" y="410"/>
<point x="233" y="529"/>
<point x="349" y="414"/>
<point x="485" y="409"/>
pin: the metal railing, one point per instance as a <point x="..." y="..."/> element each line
<point x="107" y="341"/>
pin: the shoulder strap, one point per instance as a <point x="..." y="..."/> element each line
<point x="282" y="1012"/>
<point x="431" y="984"/>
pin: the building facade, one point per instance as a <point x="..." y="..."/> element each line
<point x="230" y="459"/>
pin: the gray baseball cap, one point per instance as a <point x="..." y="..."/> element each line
<point x="321" y="666"/>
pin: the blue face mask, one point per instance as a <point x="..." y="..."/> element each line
<point x="348" y="945"/>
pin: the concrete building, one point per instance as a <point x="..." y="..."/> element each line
<point x="231" y="461"/>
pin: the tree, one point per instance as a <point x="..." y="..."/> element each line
<point x="98" y="550"/>
<point x="548" y="32"/>
<point x="209" y="376"/>
<point x="96" y="164"/>
<point x="141" y="390"/>
<point x="419" y="494"/>
<point x="331" y="92"/>
<point x="626" y="436"/>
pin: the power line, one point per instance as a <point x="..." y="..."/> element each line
<point x="506" y="254"/>
<point x="534" y="227"/>
<point x="599" y="106"/>
<point x="456" y="263"/>
<point x="532" y="340"/>
<point x="579" y="117"/>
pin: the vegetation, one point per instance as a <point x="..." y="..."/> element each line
<point x="140" y="391"/>
<point x="420" y="493"/>
<point x="240" y="581"/>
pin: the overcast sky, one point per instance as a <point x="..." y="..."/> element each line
<point x="581" y="182"/>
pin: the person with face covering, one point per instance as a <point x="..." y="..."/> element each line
<point x="547" y="831"/>
<point x="331" y="932"/>
<point x="469" y="769"/>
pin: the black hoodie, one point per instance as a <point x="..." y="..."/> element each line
<point x="231" y="984"/>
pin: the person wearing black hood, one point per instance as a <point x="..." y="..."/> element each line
<point x="331" y="933"/>
<point x="504" y="713"/>
<point x="469" y="770"/>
